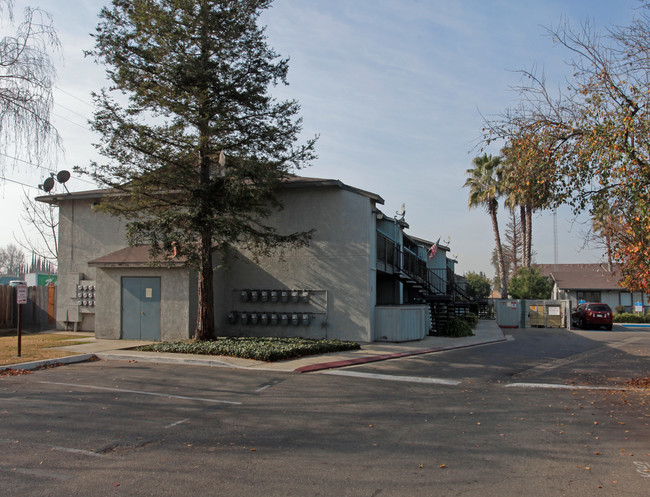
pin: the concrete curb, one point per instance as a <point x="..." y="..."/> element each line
<point x="49" y="362"/>
<point x="215" y="363"/>
<point x="385" y="357"/>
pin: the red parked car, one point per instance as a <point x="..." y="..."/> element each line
<point x="592" y="314"/>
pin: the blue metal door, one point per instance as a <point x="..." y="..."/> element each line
<point x="141" y="308"/>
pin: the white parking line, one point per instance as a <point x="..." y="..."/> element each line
<point x="177" y="423"/>
<point x="78" y="451"/>
<point x="564" y="387"/>
<point x="37" y="473"/>
<point x="60" y="449"/>
<point x="139" y="392"/>
<point x="408" y="379"/>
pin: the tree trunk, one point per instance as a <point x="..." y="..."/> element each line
<point x="515" y="242"/>
<point x="497" y="239"/>
<point x="205" y="322"/>
<point x="529" y="236"/>
<point x="524" y="234"/>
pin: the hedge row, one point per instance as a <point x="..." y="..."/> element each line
<point x="259" y="348"/>
<point x="628" y="317"/>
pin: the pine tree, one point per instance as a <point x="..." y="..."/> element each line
<point x="201" y="147"/>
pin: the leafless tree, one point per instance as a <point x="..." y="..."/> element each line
<point x="39" y="229"/>
<point x="27" y="77"/>
<point x="12" y="259"/>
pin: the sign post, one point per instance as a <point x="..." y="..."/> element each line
<point x="21" y="298"/>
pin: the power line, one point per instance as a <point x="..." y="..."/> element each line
<point x="70" y="121"/>
<point x="27" y="162"/>
<point x="18" y="182"/>
<point x="74" y="96"/>
<point x="44" y="168"/>
<point x="71" y="111"/>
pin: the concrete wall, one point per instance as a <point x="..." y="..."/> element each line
<point x="177" y="312"/>
<point x="339" y="265"/>
<point x="84" y="234"/>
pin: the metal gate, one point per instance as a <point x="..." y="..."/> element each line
<point x="141" y="308"/>
<point x="548" y="313"/>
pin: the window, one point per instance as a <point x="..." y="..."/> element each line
<point x="588" y="296"/>
<point x="626" y="298"/>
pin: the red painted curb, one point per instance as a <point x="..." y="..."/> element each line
<point x="376" y="358"/>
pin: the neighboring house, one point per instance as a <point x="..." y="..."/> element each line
<point x="344" y="285"/>
<point x="591" y="283"/>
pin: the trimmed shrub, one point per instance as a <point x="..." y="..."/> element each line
<point x="628" y="317"/>
<point x="457" y="327"/>
<point x="258" y="348"/>
<point x="619" y="309"/>
<point x="471" y="319"/>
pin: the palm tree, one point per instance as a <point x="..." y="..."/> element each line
<point x="484" y="185"/>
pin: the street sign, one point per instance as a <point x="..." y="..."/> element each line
<point x="21" y="294"/>
<point x="638" y="306"/>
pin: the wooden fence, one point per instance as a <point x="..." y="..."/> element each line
<point x="37" y="313"/>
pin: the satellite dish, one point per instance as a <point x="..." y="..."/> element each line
<point x="63" y="176"/>
<point x="48" y="184"/>
<point x="402" y="212"/>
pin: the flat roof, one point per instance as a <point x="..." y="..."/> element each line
<point x="290" y="182"/>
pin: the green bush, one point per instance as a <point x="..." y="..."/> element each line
<point x="471" y="319"/>
<point x="457" y="327"/>
<point x="628" y="317"/>
<point x="258" y="348"/>
<point x="619" y="309"/>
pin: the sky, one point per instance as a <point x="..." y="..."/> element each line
<point x="396" y="90"/>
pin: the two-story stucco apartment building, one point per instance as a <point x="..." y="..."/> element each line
<point x="361" y="278"/>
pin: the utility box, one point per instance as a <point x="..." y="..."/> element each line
<point x="508" y="313"/>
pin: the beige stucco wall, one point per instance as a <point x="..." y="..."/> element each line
<point x="175" y="310"/>
<point x="337" y="264"/>
<point x="84" y="234"/>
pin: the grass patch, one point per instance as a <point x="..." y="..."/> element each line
<point x="34" y="347"/>
<point x="267" y="349"/>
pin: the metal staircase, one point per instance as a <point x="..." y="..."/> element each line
<point x="444" y="296"/>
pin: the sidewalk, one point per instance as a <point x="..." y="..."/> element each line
<point x="487" y="332"/>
